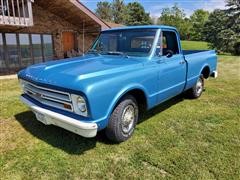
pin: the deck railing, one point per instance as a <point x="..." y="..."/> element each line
<point x="16" y="12"/>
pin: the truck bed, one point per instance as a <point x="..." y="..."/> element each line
<point x="188" y="52"/>
<point x="196" y="60"/>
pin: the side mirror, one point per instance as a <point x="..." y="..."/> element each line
<point x="169" y="53"/>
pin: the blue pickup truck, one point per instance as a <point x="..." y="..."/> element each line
<point x="126" y="71"/>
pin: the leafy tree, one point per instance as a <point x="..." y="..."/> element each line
<point x="233" y="9"/>
<point x="222" y="29"/>
<point x="215" y="24"/>
<point x="175" y="16"/>
<point x="198" y="19"/>
<point x="233" y="12"/>
<point x="118" y="11"/>
<point x="136" y="15"/>
<point x="104" y="10"/>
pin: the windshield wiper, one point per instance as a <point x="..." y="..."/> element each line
<point x="117" y="53"/>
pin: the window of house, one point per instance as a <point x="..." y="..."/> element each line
<point x="25" y="50"/>
<point x="47" y="47"/>
<point x="2" y="61"/>
<point x="12" y="50"/>
<point x="37" y="48"/>
<point x="21" y="50"/>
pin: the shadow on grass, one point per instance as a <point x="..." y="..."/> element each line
<point x="73" y="143"/>
<point x="161" y="107"/>
<point x="56" y="136"/>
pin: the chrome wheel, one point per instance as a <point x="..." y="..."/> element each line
<point x="128" y="117"/>
<point x="199" y="86"/>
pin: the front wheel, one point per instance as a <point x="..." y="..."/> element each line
<point x="123" y="120"/>
<point x="196" y="91"/>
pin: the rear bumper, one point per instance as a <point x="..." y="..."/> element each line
<point x="214" y="74"/>
<point x="49" y="117"/>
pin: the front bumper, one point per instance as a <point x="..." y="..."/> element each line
<point x="49" y="117"/>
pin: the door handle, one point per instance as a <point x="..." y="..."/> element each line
<point x="182" y="62"/>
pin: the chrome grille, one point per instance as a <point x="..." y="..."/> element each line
<point x="50" y="97"/>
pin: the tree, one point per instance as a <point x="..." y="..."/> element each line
<point x="234" y="9"/>
<point x="198" y="19"/>
<point x="175" y="16"/>
<point x="136" y="15"/>
<point x="104" y="10"/>
<point x="233" y="12"/>
<point x="222" y="30"/>
<point x="118" y="11"/>
<point x="213" y="27"/>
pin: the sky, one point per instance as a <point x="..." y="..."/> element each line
<point x="154" y="7"/>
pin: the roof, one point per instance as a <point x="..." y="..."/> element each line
<point x="74" y="12"/>
<point x="143" y="27"/>
<point x="90" y="13"/>
<point x="113" y="25"/>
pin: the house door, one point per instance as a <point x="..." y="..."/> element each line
<point x="68" y="41"/>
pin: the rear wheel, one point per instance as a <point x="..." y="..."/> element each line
<point x="196" y="91"/>
<point x="123" y="120"/>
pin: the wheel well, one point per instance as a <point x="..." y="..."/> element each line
<point x="206" y="72"/>
<point x="141" y="99"/>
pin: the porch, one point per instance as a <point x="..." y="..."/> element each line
<point x="16" y="13"/>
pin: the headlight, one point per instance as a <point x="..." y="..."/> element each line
<point x="22" y="84"/>
<point x="79" y="105"/>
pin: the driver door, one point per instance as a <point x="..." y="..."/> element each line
<point x="171" y="66"/>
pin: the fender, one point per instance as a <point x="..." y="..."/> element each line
<point x="204" y="65"/>
<point x="123" y="92"/>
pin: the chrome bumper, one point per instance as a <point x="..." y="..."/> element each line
<point x="49" y="117"/>
<point x="214" y="74"/>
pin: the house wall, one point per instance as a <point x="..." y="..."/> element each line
<point x="46" y="22"/>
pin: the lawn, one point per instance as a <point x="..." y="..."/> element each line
<point x="194" y="45"/>
<point x="180" y="139"/>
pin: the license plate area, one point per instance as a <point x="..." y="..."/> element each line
<point x="41" y="117"/>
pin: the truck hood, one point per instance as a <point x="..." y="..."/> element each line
<point x="66" y="72"/>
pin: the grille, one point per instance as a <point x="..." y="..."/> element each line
<point x="50" y="97"/>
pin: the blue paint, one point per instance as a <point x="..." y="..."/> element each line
<point x="104" y="79"/>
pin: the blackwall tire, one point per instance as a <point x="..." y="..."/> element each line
<point x="123" y="120"/>
<point x="197" y="90"/>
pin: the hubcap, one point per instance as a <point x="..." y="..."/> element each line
<point x="199" y="86"/>
<point x="128" y="117"/>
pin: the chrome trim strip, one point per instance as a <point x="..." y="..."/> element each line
<point x="48" y="93"/>
<point x="45" y="101"/>
<point x="46" y="96"/>
<point x="47" y="89"/>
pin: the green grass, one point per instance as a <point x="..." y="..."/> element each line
<point x="180" y="139"/>
<point x="194" y="45"/>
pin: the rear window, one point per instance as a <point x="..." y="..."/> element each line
<point x="133" y="42"/>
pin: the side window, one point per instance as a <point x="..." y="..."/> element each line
<point x="169" y="43"/>
<point x="164" y="42"/>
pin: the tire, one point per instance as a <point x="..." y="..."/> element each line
<point x="196" y="91"/>
<point x="123" y="120"/>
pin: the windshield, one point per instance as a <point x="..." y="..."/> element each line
<point x="131" y="42"/>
